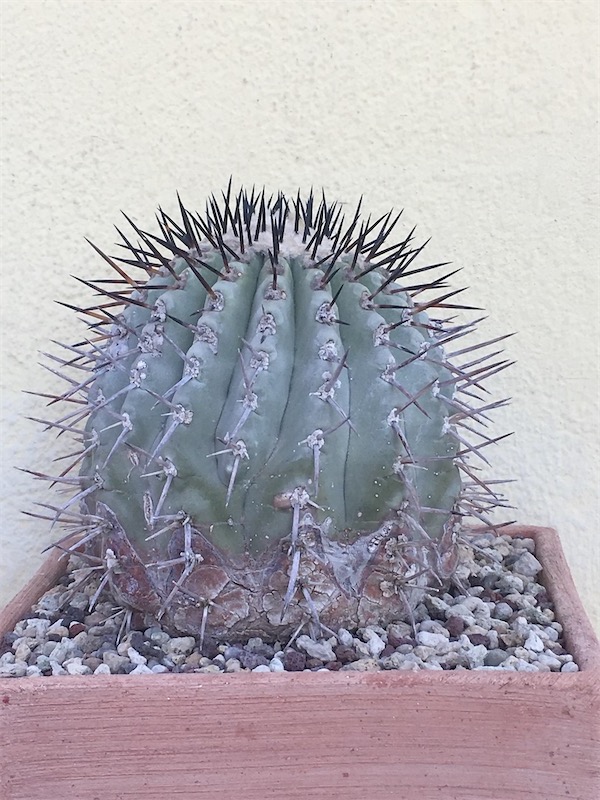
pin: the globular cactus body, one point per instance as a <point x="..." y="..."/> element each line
<point x="272" y="425"/>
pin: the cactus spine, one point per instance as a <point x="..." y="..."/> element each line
<point x="272" y="426"/>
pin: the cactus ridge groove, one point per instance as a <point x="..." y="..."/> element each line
<point x="271" y="431"/>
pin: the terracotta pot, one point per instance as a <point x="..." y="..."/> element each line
<point x="483" y="735"/>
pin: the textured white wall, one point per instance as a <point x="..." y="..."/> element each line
<point x="478" y="116"/>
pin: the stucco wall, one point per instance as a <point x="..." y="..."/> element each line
<point x="478" y="116"/>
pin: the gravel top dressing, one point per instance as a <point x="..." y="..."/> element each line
<point x="502" y="619"/>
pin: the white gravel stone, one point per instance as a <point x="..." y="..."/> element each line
<point x="74" y="667"/>
<point x="569" y="666"/>
<point x="521" y="627"/>
<point x="7" y="658"/>
<point x="551" y="633"/>
<point x="34" y="672"/>
<point x="102" y="669"/>
<point x="321" y="650"/>
<point x="57" y="669"/>
<point x="344" y="637"/>
<point x="374" y="641"/>
<point x="525" y="666"/>
<point x="37" y="628"/>
<point x="435" y="641"/>
<point x="534" y="643"/>
<point x="261" y="668"/>
<point x="135" y="657"/>
<point x="550" y="661"/>
<point x="476" y="655"/>
<point x="276" y="665"/>
<point x="157" y="669"/>
<point x="141" y="669"/>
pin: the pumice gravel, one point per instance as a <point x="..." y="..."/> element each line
<point x="503" y="620"/>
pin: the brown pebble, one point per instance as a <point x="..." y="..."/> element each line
<point x="334" y="666"/>
<point x="345" y="654"/>
<point x="75" y="628"/>
<point x="193" y="660"/>
<point x="455" y="626"/>
<point x="396" y="641"/>
<point x="387" y="651"/>
<point x="138" y="621"/>
<point x="293" y="661"/>
<point x="478" y="638"/>
<point x="313" y="663"/>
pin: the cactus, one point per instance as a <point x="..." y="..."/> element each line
<point x="274" y="432"/>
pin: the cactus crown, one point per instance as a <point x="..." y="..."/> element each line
<point x="273" y="428"/>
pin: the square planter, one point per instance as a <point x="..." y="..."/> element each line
<point x="483" y="735"/>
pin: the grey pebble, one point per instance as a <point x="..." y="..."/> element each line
<point x="527" y="564"/>
<point x="362" y="665"/>
<point x="16" y="670"/>
<point x="495" y="657"/>
<point x="115" y="662"/>
<point x="503" y="611"/>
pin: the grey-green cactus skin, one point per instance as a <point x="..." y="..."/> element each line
<point x="272" y="428"/>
